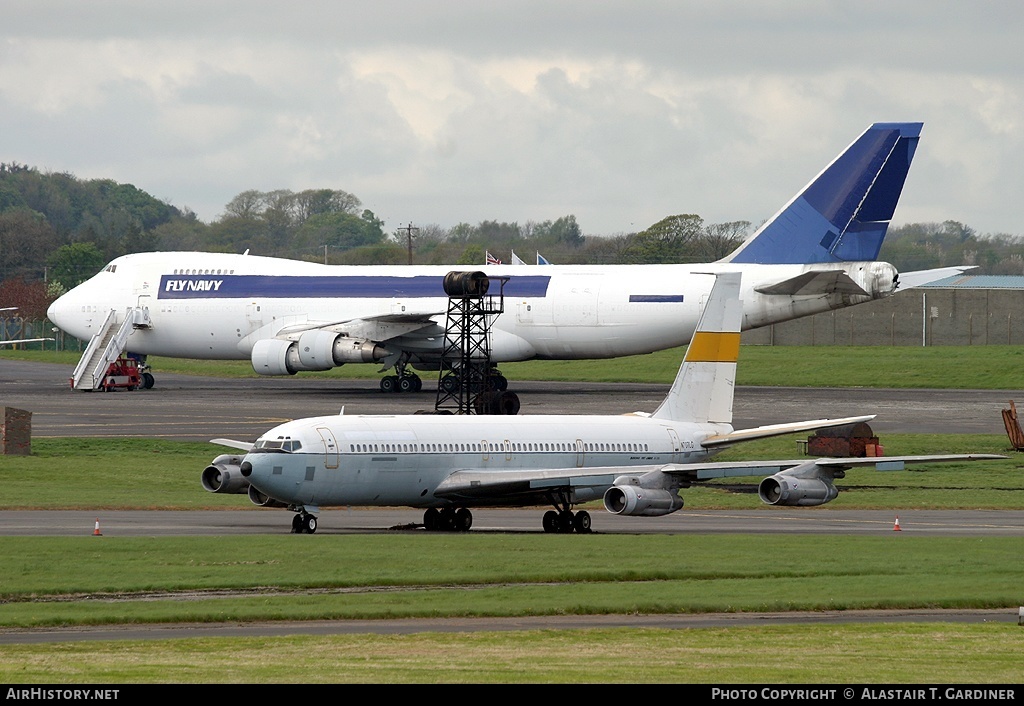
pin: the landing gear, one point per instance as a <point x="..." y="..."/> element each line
<point x="303" y="523"/>
<point x="403" y="381"/>
<point x="447" y="519"/>
<point x="564" y="521"/>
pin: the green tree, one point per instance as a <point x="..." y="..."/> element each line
<point x="672" y="239"/>
<point x="25" y="240"/>
<point x="70" y="265"/>
<point x="472" y="255"/>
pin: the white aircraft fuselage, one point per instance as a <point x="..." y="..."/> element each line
<point x="219" y="305"/>
<point x="404" y="460"/>
<point x="818" y="253"/>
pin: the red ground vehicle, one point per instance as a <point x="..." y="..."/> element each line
<point x="123" y="372"/>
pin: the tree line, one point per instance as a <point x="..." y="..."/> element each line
<point x="57" y="230"/>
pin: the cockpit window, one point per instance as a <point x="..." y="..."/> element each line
<point x="110" y="268"/>
<point x="285" y="445"/>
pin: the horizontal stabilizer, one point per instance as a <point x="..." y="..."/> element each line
<point x="909" y="280"/>
<point x="779" y="429"/>
<point x="231" y="443"/>
<point x="828" y="282"/>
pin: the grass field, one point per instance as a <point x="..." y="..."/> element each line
<point x="74" y="581"/>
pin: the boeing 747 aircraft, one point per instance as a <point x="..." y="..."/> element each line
<point x="636" y="462"/>
<point x="816" y="254"/>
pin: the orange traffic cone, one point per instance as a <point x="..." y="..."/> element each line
<point x="896" y="527"/>
<point x="96" y="532"/>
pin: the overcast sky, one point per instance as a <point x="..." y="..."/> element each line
<point x="441" y="112"/>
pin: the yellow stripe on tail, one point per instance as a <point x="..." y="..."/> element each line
<point x="713" y="347"/>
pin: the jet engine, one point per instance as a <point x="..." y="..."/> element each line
<point x="805" y="485"/>
<point x="315" y="350"/>
<point x="223" y="475"/>
<point x="631" y="500"/>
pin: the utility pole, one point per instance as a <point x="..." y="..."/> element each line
<point x="409" y="235"/>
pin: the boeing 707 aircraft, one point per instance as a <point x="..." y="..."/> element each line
<point x="445" y="464"/>
<point x="816" y="254"/>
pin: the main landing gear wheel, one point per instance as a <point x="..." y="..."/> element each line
<point x="401" y="383"/>
<point x="566" y="521"/>
<point x="303" y="524"/>
<point x="447" y="520"/>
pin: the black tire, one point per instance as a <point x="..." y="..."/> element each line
<point x="447" y="520"/>
<point x="565" y="521"/>
<point x="148" y="381"/>
<point x="407" y="383"/>
<point x="309" y="523"/>
<point x="431" y="519"/>
<point x="506" y="403"/>
<point x="581" y="523"/>
<point x="449" y="384"/>
<point x="389" y="383"/>
<point x="463" y="520"/>
<point x="550" y="521"/>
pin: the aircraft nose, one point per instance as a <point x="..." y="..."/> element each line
<point x="67" y="314"/>
<point x="57" y="311"/>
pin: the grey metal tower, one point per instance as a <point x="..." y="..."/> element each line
<point x="467" y="382"/>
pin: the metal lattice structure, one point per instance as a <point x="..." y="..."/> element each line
<point x="465" y="381"/>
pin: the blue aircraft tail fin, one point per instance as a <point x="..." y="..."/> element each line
<point x="843" y="214"/>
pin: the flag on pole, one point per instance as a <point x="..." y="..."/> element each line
<point x="516" y="260"/>
<point x="541" y="260"/>
<point x="491" y="260"/>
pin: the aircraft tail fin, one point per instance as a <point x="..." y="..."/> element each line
<point x="844" y="213"/>
<point x="703" y="389"/>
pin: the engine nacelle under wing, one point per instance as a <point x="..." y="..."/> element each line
<point x="633" y="500"/>
<point x="315" y="350"/>
<point x="790" y="490"/>
<point x="224" y="476"/>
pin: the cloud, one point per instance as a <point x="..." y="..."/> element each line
<point x="620" y="114"/>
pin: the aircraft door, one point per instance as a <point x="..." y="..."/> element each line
<point x="141" y="316"/>
<point x="254" y="315"/>
<point x="677" y="447"/>
<point x="524" y="312"/>
<point x="580" y="455"/>
<point x="330" y="447"/>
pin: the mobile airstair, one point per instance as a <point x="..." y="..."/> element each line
<point x="106" y="346"/>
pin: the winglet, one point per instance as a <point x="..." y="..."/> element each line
<point x="843" y="214"/>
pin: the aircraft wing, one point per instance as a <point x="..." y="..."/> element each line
<point x="231" y="443"/>
<point x="511" y="487"/>
<point x="780" y="429"/>
<point x="372" y="328"/>
<point x="708" y="471"/>
<point x="24" y="340"/>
